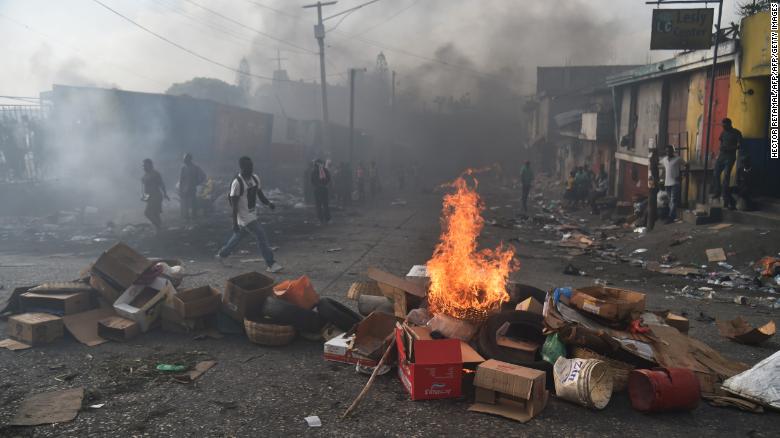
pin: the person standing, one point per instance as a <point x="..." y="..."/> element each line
<point x="600" y="188"/>
<point x="320" y="179"/>
<point x="154" y="192"/>
<point x="190" y="177"/>
<point x="672" y="181"/>
<point x="373" y="179"/>
<point x="244" y="192"/>
<point x="360" y="180"/>
<point x="730" y="142"/>
<point x="526" y="179"/>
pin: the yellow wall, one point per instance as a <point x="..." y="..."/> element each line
<point x="693" y="122"/>
<point x="748" y="111"/>
<point x="754" y="39"/>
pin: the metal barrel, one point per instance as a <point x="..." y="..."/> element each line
<point x="663" y="389"/>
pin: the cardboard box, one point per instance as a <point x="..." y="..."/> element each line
<point x="174" y="323"/>
<point x="142" y="304"/>
<point x="608" y="302"/>
<point x="468" y="355"/>
<point x="58" y="304"/>
<point x="197" y="302"/>
<point x="117" y="328"/>
<point x="530" y="305"/>
<point x="339" y="349"/>
<point x="429" y="369"/>
<point x="246" y="293"/>
<point x="116" y="270"/>
<point x="373" y="334"/>
<point x="419" y="274"/>
<point x="509" y="391"/>
<point x="35" y="328"/>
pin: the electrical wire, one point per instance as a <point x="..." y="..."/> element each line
<point x="259" y="32"/>
<point x="350" y="10"/>
<point x="387" y="19"/>
<point x="180" y="47"/>
<point x="71" y="48"/>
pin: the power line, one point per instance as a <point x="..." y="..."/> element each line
<point x="57" y="42"/>
<point x="350" y="10"/>
<point x="180" y="47"/>
<point x="358" y="38"/>
<point x="238" y="23"/>
<point x="387" y="19"/>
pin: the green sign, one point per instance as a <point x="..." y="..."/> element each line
<point x="681" y="29"/>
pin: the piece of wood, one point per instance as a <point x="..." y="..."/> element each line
<point x="397" y="282"/>
<point x="370" y="379"/>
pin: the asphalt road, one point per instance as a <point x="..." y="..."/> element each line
<point x="258" y="391"/>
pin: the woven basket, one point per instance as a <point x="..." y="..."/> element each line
<point x="618" y="369"/>
<point x="272" y="335"/>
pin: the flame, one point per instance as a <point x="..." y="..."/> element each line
<point x="465" y="282"/>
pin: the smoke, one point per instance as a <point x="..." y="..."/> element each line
<point x="47" y="68"/>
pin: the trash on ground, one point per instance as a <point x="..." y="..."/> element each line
<point x="587" y="382"/>
<point x="663" y="389"/>
<point x="716" y="255"/>
<point x="759" y="384"/>
<point x="313" y="421"/>
<point x="84" y="326"/>
<point x="194" y="374"/>
<point x="49" y="407"/>
<point x="35" y="328"/>
<point x="509" y="390"/>
<point x="741" y="331"/>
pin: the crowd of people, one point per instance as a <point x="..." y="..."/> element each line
<point x="585" y="187"/>
<point x="21" y="148"/>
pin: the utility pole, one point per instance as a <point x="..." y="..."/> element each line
<point x="352" y="73"/>
<point x="319" y="34"/>
<point x="710" y="103"/>
<point x="392" y="99"/>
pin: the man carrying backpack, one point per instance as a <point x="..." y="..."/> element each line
<point x="244" y="192"/>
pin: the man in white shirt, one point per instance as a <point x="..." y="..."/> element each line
<point x="244" y="192"/>
<point x="672" y="178"/>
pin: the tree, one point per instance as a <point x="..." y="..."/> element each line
<point x="243" y="80"/>
<point x="752" y="7"/>
<point x="211" y="89"/>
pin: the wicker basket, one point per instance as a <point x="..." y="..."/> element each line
<point x="272" y="335"/>
<point x="618" y="369"/>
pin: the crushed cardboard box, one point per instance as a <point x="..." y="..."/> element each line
<point x="339" y="349"/>
<point x="741" y="331"/>
<point x="84" y="326"/>
<point x="510" y="391"/>
<point x="142" y="303"/>
<point x="49" y="407"/>
<point x="116" y="270"/>
<point x="610" y="303"/>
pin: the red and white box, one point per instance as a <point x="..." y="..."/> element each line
<point x="339" y="349"/>
<point x="429" y="369"/>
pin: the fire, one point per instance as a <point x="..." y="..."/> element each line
<point x="466" y="283"/>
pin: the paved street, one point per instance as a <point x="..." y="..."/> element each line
<point x="259" y="391"/>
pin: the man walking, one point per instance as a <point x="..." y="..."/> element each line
<point x="672" y="178"/>
<point x="153" y="194"/>
<point x="190" y="178"/>
<point x="730" y="142"/>
<point x="244" y="192"/>
<point x="526" y="178"/>
<point x="320" y="179"/>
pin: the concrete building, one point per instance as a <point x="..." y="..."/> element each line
<point x="666" y="103"/>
